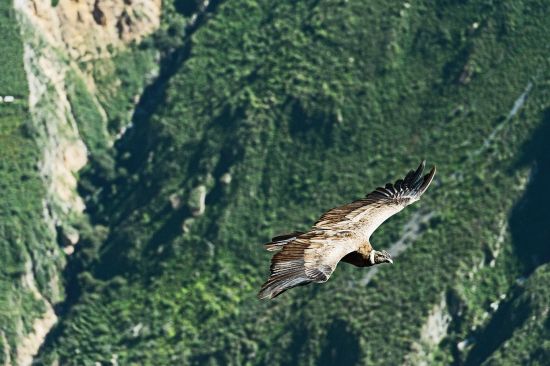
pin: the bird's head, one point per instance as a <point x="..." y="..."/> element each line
<point x="382" y="257"/>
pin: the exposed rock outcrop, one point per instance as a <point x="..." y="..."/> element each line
<point x="5" y="349"/>
<point x="432" y="333"/>
<point x="197" y="199"/>
<point x="89" y="28"/>
<point x="29" y="345"/>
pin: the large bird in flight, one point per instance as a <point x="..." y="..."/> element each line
<point x="341" y="234"/>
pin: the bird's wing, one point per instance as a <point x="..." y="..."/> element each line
<point x="308" y="257"/>
<point x="370" y="212"/>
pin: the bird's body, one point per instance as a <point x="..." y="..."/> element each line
<point x="341" y="234"/>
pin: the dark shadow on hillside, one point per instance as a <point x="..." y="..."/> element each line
<point x="118" y="198"/>
<point x="529" y="221"/>
<point x="310" y="125"/>
<point x="109" y="189"/>
<point x="186" y="7"/>
<point x="341" y="346"/>
<point x="299" y="337"/>
<point x="504" y="322"/>
<point x="132" y="150"/>
<point x="530" y="229"/>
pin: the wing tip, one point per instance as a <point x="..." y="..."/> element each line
<point x="270" y="290"/>
<point x="266" y="291"/>
<point x="427" y="180"/>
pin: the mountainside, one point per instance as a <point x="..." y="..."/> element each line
<point x="145" y="163"/>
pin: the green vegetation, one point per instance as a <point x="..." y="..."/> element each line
<point x="519" y="332"/>
<point x="28" y="250"/>
<point x="307" y="105"/>
<point x="91" y="126"/>
<point x="13" y="75"/>
<point x="120" y="81"/>
<point x="103" y="117"/>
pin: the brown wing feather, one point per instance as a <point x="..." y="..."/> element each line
<point x="277" y="242"/>
<point x="309" y="257"/>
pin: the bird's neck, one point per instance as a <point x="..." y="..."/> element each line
<point x="365" y="249"/>
<point x="371" y="257"/>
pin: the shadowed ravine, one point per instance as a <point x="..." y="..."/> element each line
<point x="530" y="234"/>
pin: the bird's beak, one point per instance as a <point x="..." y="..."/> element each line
<point x="390" y="260"/>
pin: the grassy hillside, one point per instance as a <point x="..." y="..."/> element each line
<point x="276" y="111"/>
<point x="30" y="258"/>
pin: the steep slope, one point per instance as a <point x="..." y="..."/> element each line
<point x="30" y="258"/>
<point x="270" y="113"/>
<point x="54" y="124"/>
<point x="519" y="332"/>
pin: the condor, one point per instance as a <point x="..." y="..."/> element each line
<point x="341" y="234"/>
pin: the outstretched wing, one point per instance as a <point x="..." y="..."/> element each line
<point x="305" y="258"/>
<point x="370" y="212"/>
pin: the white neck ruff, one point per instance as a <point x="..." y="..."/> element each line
<point x="371" y="257"/>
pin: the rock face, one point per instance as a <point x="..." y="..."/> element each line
<point x="89" y="28"/>
<point x="226" y="178"/>
<point x="54" y="39"/>
<point x="175" y="201"/>
<point x="41" y="326"/>
<point x="432" y="333"/>
<point x="197" y="199"/>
